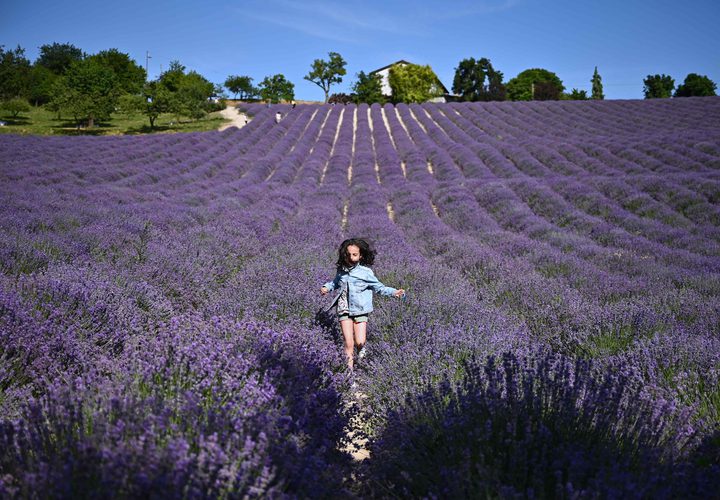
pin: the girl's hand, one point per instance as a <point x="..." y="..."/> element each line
<point x="399" y="293"/>
<point x="323" y="291"/>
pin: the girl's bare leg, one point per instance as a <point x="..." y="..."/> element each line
<point x="360" y="333"/>
<point x="346" y="326"/>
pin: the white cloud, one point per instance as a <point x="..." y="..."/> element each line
<point x="308" y="27"/>
<point x="350" y="22"/>
<point x="469" y="8"/>
<point x="356" y="22"/>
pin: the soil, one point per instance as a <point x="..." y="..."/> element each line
<point x="237" y="119"/>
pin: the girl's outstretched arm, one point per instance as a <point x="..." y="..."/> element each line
<point x="378" y="287"/>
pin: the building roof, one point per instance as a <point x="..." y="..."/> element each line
<point x="402" y="61"/>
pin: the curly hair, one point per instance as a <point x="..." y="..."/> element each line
<point x="367" y="254"/>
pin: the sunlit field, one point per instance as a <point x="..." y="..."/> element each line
<point x="162" y="333"/>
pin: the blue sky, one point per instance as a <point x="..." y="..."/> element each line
<point x="627" y="40"/>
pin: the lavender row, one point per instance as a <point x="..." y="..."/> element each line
<point x="386" y="154"/>
<point x="415" y="162"/>
<point x="544" y="202"/>
<point x="626" y="206"/>
<point x="312" y="170"/>
<point x="440" y="161"/>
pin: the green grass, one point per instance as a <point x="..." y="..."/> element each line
<point x="40" y="121"/>
<point x="610" y="342"/>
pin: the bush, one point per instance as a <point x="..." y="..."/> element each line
<point x="216" y="105"/>
<point x="540" y="425"/>
<point x="202" y="409"/>
<point x="340" y="99"/>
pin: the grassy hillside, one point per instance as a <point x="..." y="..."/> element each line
<point x="40" y="121"/>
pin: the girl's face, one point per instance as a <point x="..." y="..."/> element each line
<point x="353" y="254"/>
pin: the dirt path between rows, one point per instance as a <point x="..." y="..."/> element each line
<point x="358" y="441"/>
<point x="237" y="119"/>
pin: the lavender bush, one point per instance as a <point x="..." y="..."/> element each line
<point x="536" y="425"/>
<point x="200" y="409"/>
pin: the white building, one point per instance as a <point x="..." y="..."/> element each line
<point x="384" y="73"/>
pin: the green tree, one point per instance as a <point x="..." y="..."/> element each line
<point x="547" y="91"/>
<point x="41" y="84"/>
<point x="577" y="95"/>
<point x="129" y="104"/>
<point x="185" y="94"/>
<point x="276" y="88"/>
<point x="131" y="77"/>
<point x="658" y="86"/>
<point x="16" y="105"/>
<point x="478" y="81"/>
<point x="59" y="97"/>
<point x="155" y="100"/>
<point x="696" y="85"/>
<point x="368" y="88"/>
<point x="172" y="77"/>
<point x="89" y="91"/>
<point x="241" y="85"/>
<point x="192" y="98"/>
<point x="15" y="72"/>
<point x="58" y="57"/>
<point x="413" y="83"/>
<point x="325" y="73"/>
<point x="597" y="87"/>
<point x="535" y="84"/>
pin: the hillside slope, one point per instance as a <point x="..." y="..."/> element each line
<point x="562" y="263"/>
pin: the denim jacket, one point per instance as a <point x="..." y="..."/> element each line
<point x="360" y="282"/>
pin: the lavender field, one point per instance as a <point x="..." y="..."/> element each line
<point x="162" y="333"/>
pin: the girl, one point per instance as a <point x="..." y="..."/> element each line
<point x="356" y="282"/>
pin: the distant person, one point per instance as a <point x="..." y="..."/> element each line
<point x="293" y="103"/>
<point x="356" y="282"/>
<point x="278" y="117"/>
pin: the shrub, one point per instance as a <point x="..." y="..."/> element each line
<point x="340" y="99"/>
<point x="540" y="425"/>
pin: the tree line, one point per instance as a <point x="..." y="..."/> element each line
<point x="475" y="80"/>
<point x="89" y="87"/>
